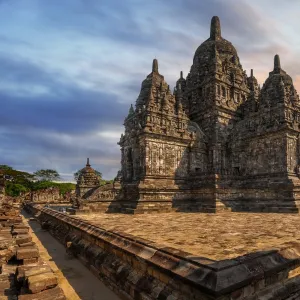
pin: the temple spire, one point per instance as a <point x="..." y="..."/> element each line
<point x="88" y="162"/>
<point x="277" y="66"/>
<point x="251" y="73"/>
<point x="155" y="65"/>
<point x="131" y="110"/>
<point x="181" y="75"/>
<point x="215" y="28"/>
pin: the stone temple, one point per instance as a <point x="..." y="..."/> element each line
<point x="217" y="142"/>
<point x="87" y="181"/>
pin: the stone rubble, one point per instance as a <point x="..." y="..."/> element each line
<point x="23" y="274"/>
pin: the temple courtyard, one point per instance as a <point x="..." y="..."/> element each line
<point x="213" y="236"/>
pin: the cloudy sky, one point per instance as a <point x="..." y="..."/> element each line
<point x="69" y="69"/>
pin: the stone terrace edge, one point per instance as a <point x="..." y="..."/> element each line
<point x="209" y="276"/>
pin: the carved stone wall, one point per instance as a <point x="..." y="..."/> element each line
<point x="49" y="195"/>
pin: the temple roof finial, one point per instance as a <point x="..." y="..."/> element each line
<point x="131" y="110"/>
<point x="215" y="28"/>
<point x="88" y="162"/>
<point x="277" y="66"/>
<point x="251" y="73"/>
<point x="181" y="74"/>
<point x="155" y="65"/>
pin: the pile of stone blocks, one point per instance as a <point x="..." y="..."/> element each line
<point x="24" y="275"/>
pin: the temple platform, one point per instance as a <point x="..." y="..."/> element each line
<point x="185" y="256"/>
<point x="214" y="236"/>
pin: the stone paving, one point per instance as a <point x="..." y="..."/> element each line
<point x="214" y="236"/>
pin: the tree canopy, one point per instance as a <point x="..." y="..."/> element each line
<point x="16" y="181"/>
<point x="46" y="175"/>
<point x="18" y="177"/>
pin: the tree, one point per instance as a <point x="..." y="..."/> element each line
<point x="16" y="176"/>
<point x="63" y="187"/>
<point x="77" y="174"/>
<point x="46" y="175"/>
<point x="16" y="181"/>
<point x="15" y="189"/>
<point x="5" y="167"/>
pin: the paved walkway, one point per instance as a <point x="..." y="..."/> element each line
<point x="74" y="278"/>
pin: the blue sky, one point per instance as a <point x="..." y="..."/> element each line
<point x="70" y="69"/>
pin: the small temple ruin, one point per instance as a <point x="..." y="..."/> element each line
<point x="217" y="142"/>
<point x="87" y="181"/>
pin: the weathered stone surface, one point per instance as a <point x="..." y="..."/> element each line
<point x="27" y="253"/>
<point x="29" y="261"/>
<point x="17" y="248"/>
<point x="6" y="241"/>
<point x="51" y="294"/>
<point x="148" y="270"/>
<point x="214" y="236"/>
<point x="28" y="244"/>
<point x="21" y="239"/>
<point x="20" y="231"/>
<point x="36" y="271"/>
<point x="20" y="271"/>
<point x="41" y="281"/>
<point x="20" y="226"/>
<point x="48" y="195"/>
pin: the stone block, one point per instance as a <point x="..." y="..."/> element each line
<point x="20" y="226"/>
<point x="21" y="239"/>
<point x="5" y="230"/>
<point x="29" y="244"/>
<point x="6" y="242"/>
<point x="6" y="254"/>
<point x="20" y="271"/>
<point x="37" y="270"/>
<point x="28" y="261"/>
<point x="51" y="294"/>
<point x="20" y="231"/>
<point x="40" y="282"/>
<point x="27" y="253"/>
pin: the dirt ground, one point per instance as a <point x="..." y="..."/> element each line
<point x="74" y="278"/>
<point x="214" y="236"/>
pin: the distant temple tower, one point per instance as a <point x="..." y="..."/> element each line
<point x="87" y="182"/>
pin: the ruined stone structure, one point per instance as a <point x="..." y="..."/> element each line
<point x="88" y="181"/>
<point x="2" y="187"/>
<point x="217" y="142"/>
<point x="136" y="268"/>
<point x="49" y="195"/>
